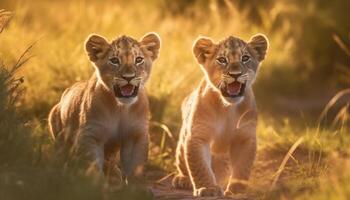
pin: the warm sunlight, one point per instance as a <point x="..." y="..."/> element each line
<point x="274" y="105"/>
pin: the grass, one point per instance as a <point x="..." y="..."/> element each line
<point x="314" y="169"/>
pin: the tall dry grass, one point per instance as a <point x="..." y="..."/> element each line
<point x="297" y="66"/>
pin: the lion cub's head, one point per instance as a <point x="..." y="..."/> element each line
<point x="231" y="64"/>
<point x="124" y="64"/>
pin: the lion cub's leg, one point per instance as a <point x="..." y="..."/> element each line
<point x="133" y="154"/>
<point x="198" y="158"/>
<point x="221" y="167"/>
<point x="242" y="155"/>
<point x="182" y="179"/>
<point x="90" y="148"/>
<point x="111" y="168"/>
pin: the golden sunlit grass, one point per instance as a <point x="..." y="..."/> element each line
<point x="60" y="59"/>
<point x="59" y="29"/>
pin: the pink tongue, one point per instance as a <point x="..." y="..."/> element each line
<point x="127" y="90"/>
<point x="233" y="88"/>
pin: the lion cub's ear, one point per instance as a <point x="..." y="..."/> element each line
<point x="260" y="44"/>
<point x="96" y="47"/>
<point x="202" y="48"/>
<point x="151" y="44"/>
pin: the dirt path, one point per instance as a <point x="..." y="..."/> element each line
<point x="163" y="190"/>
<point x="263" y="174"/>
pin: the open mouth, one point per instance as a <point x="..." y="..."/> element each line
<point x="234" y="89"/>
<point x="126" y="91"/>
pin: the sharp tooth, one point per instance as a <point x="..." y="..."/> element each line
<point x="230" y="80"/>
<point x="241" y="79"/>
<point x="121" y="82"/>
<point x="135" y="81"/>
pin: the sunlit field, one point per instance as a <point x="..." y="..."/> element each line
<point x="301" y="91"/>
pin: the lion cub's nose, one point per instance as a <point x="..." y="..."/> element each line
<point x="235" y="74"/>
<point x="129" y="76"/>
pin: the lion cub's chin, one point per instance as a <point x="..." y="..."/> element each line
<point x="126" y="101"/>
<point x="232" y="101"/>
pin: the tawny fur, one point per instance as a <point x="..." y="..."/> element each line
<point x="95" y="122"/>
<point x="218" y="133"/>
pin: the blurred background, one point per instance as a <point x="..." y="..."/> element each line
<point x="301" y="88"/>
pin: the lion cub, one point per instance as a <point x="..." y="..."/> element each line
<point x="219" y="117"/>
<point x="110" y="111"/>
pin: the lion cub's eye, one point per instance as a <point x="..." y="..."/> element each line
<point x="139" y="60"/>
<point x="222" y="60"/>
<point x="245" y="58"/>
<point x="114" y="61"/>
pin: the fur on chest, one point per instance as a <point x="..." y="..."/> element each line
<point x="227" y="130"/>
<point x="121" y="124"/>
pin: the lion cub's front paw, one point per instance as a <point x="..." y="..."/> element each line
<point x="214" y="191"/>
<point x="235" y="188"/>
<point x="182" y="182"/>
